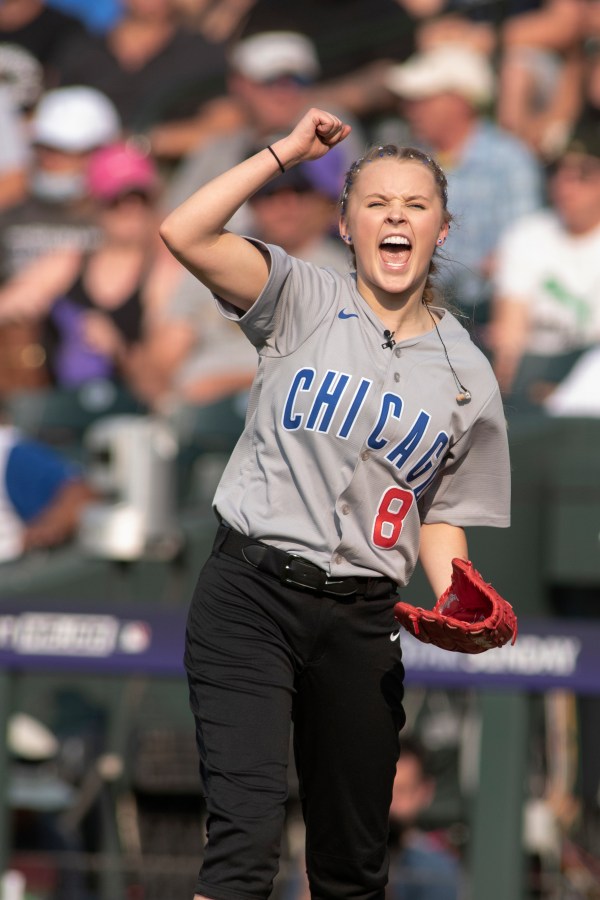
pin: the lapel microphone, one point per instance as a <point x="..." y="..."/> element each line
<point x="389" y="342"/>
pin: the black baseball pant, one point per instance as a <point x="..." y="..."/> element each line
<point x="259" y="653"/>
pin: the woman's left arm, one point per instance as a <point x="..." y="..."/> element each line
<point x="440" y="544"/>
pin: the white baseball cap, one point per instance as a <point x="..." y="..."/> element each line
<point x="75" y="120"/>
<point x="274" y="54"/>
<point x="447" y="68"/>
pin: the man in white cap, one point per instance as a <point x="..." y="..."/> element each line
<point x="493" y="179"/>
<point x="270" y="75"/>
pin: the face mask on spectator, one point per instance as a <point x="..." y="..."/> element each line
<point x="58" y="187"/>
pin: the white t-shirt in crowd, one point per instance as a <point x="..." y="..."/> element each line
<point x="558" y="276"/>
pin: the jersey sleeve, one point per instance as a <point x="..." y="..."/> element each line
<point x="291" y="305"/>
<point x="473" y="488"/>
<point x="34" y="475"/>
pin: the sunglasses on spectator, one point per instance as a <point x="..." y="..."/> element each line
<point x="290" y="80"/>
<point x="126" y="197"/>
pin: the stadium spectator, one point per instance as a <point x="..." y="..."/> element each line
<point x="271" y="75"/>
<point x="55" y="215"/>
<point x="546" y="309"/>
<point x="98" y="16"/>
<point x="42" y="494"/>
<point x="216" y="21"/>
<point x="588" y="111"/>
<point x="355" y="42"/>
<point x="67" y="126"/>
<point x="347" y="34"/>
<point x="471" y="24"/>
<point x="540" y="73"/>
<point x="535" y="45"/>
<point x="192" y="355"/>
<point x="422" y="867"/>
<point x="40" y="30"/>
<point x="153" y="68"/>
<point x="94" y="305"/>
<point x="298" y="211"/>
<point x="493" y="178"/>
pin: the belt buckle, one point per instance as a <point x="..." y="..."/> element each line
<point x="302" y="573"/>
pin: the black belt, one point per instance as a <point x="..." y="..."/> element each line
<point x="296" y="571"/>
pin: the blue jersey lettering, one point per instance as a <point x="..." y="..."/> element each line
<point x="391" y="405"/>
<point x="425" y="463"/>
<point x="302" y="382"/>
<point x="402" y="451"/>
<point x="326" y="401"/>
<point x="355" y="407"/>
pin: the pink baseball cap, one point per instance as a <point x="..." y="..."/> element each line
<point x="120" y="169"/>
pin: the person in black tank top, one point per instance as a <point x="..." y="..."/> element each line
<point x="93" y="306"/>
<point x="94" y="322"/>
<point x="71" y="359"/>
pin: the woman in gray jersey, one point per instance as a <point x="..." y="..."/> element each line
<point x="375" y="434"/>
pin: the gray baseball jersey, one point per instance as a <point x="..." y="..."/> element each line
<point x="350" y="445"/>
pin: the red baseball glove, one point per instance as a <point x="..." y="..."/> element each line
<point x="469" y="617"/>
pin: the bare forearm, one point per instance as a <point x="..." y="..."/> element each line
<point x="507" y="338"/>
<point x="204" y="215"/>
<point x="29" y="294"/>
<point x="440" y="544"/>
<point x="201" y="219"/>
<point x="195" y="232"/>
<point x="554" y="27"/>
<point x="13" y="188"/>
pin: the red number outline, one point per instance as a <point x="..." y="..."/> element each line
<point x="393" y="518"/>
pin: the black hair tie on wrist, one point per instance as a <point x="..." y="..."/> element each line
<point x="279" y="163"/>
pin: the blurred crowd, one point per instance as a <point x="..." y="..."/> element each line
<point x="112" y="113"/>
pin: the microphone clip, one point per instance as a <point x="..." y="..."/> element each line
<point x="390" y="342"/>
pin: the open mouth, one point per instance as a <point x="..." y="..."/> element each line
<point x="395" y="250"/>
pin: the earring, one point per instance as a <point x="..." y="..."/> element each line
<point x="440" y="241"/>
<point x="347" y="238"/>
